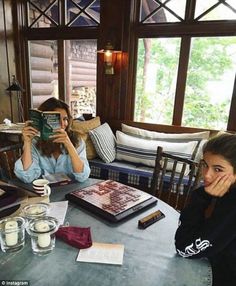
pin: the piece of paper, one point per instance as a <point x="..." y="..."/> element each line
<point x="58" y="210"/>
<point x="107" y="253"/>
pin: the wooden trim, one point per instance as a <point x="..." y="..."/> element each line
<point x="181" y="80"/>
<point x="129" y="60"/>
<point x="21" y="54"/>
<point x="190" y="9"/>
<point x="217" y="28"/>
<point x="61" y="69"/>
<point x="232" y="114"/>
<point x="133" y="57"/>
<point x="116" y="125"/>
<point x="66" y="33"/>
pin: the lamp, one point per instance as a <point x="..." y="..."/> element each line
<point x="16" y="87"/>
<point x="110" y="56"/>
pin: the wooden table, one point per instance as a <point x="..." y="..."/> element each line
<point x="11" y="133"/>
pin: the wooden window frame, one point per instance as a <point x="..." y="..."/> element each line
<point x="185" y="30"/>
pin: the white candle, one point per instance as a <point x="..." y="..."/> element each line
<point x="44" y="239"/>
<point x="35" y="210"/>
<point x="11" y="233"/>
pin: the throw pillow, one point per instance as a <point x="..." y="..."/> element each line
<point x="138" y="150"/>
<point x="83" y="127"/>
<point x="200" y="137"/>
<point x="104" y="142"/>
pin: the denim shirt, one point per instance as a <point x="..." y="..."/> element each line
<point x="43" y="165"/>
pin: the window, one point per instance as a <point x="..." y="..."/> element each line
<point x="43" y="71"/>
<point x="62" y="61"/>
<point x="210" y="80"/>
<point x="157" y="81"/>
<point x="81" y="75"/>
<point x="186" y="63"/>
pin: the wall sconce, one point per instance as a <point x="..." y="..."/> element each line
<point x="16" y="87"/>
<point x="110" y="57"/>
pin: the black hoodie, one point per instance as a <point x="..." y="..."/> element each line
<point x="214" y="237"/>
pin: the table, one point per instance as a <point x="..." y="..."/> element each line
<point x="11" y="133"/>
<point x="149" y="257"/>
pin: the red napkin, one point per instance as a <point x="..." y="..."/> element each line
<point x="79" y="237"/>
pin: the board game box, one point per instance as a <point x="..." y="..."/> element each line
<point x="112" y="200"/>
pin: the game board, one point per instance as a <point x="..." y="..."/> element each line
<point x="111" y="199"/>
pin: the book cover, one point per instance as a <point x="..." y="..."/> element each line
<point x="57" y="179"/>
<point x="45" y="121"/>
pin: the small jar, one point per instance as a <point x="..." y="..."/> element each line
<point x="12" y="234"/>
<point x="36" y="210"/>
<point x="42" y="232"/>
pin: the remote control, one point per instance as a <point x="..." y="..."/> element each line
<point x="150" y="219"/>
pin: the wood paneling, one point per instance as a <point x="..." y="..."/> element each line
<point x="7" y="62"/>
<point x="112" y="89"/>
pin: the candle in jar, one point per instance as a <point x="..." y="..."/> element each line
<point x="44" y="239"/>
<point x="11" y="233"/>
<point x="35" y="210"/>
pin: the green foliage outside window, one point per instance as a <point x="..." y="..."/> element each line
<point x="210" y="60"/>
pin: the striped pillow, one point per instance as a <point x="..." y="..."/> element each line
<point x="200" y="137"/>
<point x="138" y="150"/>
<point x="104" y="142"/>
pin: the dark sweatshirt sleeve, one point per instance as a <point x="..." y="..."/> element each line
<point x="197" y="236"/>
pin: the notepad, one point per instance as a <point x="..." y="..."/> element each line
<point x="58" y="210"/>
<point x="106" y="253"/>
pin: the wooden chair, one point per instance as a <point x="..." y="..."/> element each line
<point x="8" y="156"/>
<point x="169" y="182"/>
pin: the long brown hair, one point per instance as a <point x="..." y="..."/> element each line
<point x="47" y="147"/>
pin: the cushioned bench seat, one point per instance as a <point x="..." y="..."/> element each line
<point x="136" y="175"/>
<point x="132" y="174"/>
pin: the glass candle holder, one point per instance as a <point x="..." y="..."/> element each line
<point x="37" y="210"/>
<point x="12" y="234"/>
<point x="42" y="231"/>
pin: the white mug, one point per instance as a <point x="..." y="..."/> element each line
<point x="41" y="187"/>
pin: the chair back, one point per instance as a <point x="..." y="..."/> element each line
<point x="8" y="157"/>
<point x="174" y="178"/>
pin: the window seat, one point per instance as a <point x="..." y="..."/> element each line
<point x="135" y="175"/>
<point x="131" y="174"/>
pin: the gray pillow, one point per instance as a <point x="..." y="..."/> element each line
<point x="104" y="142"/>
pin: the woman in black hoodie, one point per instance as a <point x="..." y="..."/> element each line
<point x="213" y="235"/>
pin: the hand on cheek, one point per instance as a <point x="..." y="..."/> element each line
<point x="220" y="185"/>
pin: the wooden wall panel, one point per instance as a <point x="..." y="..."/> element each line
<point x="7" y="61"/>
<point x="111" y="89"/>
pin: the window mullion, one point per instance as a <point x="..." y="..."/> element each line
<point x="181" y="80"/>
<point x="61" y="69"/>
<point x="232" y="114"/>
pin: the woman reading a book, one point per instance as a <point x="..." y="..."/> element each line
<point x="212" y="234"/>
<point x="64" y="152"/>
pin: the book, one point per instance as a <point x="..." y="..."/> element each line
<point x="11" y="198"/>
<point x="46" y="122"/>
<point x="57" y="179"/>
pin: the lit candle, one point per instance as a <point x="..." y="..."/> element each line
<point x="44" y="239"/>
<point x="11" y="233"/>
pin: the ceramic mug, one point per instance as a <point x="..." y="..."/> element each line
<point x="41" y="187"/>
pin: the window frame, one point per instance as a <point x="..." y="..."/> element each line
<point x="186" y="30"/>
<point x="60" y="33"/>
